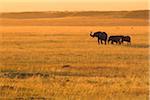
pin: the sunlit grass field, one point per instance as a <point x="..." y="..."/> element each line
<point x="65" y="63"/>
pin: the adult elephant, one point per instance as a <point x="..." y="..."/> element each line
<point x="101" y="36"/>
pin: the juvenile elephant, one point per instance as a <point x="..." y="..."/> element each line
<point x="126" y="39"/>
<point x="117" y="39"/>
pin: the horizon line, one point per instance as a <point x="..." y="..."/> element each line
<point x="75" y="11"/>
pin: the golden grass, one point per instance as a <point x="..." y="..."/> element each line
<point x="62" y="62"/>
<point x="75" y="21"/>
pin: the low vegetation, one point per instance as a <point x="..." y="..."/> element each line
<point x="65" y="63"/>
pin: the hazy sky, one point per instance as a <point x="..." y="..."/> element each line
<point x="71" y="5"/>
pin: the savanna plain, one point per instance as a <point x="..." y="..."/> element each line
<point x="56" y="59"/>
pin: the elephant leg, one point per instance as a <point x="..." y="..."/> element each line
<point x="119" y="42"/>
<point x="108" y="41"/>
<point x="116" y="42"/>
<point x="105" y="42"/>
<point x="98" y="41"/>
<point x="101" y="41"/>
<point x="111" y="42"/>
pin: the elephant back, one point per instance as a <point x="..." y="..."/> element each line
<point x="102" y="35"/>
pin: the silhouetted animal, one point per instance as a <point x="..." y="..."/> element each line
<point x="117" y="39"/>
<point x="100" y="35"/>
<point x="126" y="39"/>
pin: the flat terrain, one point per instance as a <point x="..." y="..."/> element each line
<point x="63" y="62"/>
<point x="88" y="18"/>
<point x="75" y="21"/>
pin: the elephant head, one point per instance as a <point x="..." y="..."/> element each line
<point x="91" y="35"/>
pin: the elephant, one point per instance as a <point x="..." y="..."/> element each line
<point x="100" y="35"/>
<point x="126" y="39"/>
<point x="117" y="39"/>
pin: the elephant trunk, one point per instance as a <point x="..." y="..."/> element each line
<point x="91" y="34"/>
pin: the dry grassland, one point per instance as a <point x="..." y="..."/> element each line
<point x="65" y="63"/>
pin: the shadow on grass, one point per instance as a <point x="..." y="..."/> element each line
<point x="22" y="75"/>
<point x="138" y="46"/>
<point x="108" y="72"/>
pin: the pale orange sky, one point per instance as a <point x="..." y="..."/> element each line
<point x="71" y="5"/>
